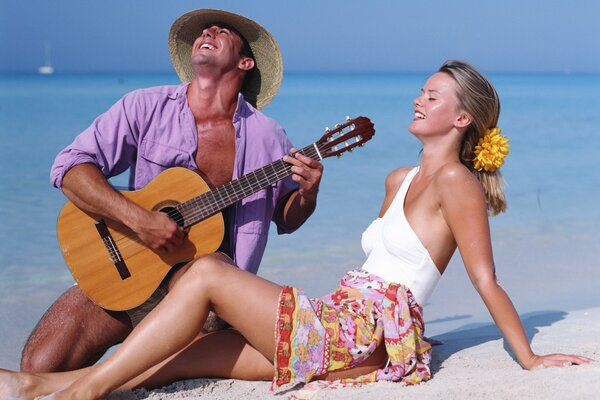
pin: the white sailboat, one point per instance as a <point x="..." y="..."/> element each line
<point x="47" y="68"/>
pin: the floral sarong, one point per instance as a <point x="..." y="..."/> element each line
<point x="340" y="330"/>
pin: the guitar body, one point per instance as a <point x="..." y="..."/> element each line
<point x="91" y="249"/>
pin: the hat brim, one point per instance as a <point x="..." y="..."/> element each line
<point x="263" y="83"/>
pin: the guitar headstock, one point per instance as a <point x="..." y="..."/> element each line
<point x="344" y="137"/>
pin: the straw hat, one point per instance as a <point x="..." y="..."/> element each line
<point x="264" y="80"/>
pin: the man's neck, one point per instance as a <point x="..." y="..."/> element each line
<point x="211" y="98"/>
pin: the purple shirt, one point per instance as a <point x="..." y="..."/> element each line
<point x="150" y="130"/>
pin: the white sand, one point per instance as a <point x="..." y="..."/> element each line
<point x="471" y="364"/>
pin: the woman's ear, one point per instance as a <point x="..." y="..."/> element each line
<point x="463" y="120"/>
<point x="246" y="63"/>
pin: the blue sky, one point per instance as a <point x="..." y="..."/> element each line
<point x="315" y="35"/>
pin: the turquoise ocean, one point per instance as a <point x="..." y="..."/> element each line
<point x="546" y="246"/>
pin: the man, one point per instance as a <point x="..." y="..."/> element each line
<point x="209" y="125"/>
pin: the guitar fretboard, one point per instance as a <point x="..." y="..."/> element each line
<point x="209" y="203"/>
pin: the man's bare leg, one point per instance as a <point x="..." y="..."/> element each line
<point x="72" y="334"/>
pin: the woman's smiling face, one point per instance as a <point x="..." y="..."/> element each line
<point x="436" y="109"/>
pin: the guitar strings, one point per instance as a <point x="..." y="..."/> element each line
<point x="279" y="171"/>
<point x="209" y="203"/>
<point x="219" y="203"/>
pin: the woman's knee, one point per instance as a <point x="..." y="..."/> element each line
<point x="209" y="268"/>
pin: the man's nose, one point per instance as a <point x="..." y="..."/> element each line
<point x="210" y="32"/>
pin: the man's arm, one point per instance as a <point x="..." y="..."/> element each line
<point x="301" y="203"/>
<point x="107" y="148"/>
<point x="89" y="190"/>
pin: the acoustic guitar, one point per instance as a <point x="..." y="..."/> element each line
<point x="118" y="272"/>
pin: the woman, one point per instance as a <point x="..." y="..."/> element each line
<point x="371" y="327"/>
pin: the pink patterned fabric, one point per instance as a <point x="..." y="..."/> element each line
<point x="340" y="330"/>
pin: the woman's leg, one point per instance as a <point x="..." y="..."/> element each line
<point x="246" y="301"/>
<point x="223" y="354"/>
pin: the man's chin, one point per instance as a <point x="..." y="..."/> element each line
<point x="199" y="59"/>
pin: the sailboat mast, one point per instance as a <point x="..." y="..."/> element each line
<point x="47" y="68"/>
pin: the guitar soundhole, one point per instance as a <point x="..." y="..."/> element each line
<point x="174" y="214"/>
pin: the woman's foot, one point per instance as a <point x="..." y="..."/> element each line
<point x="51" y="396"/>
<point x="76" y="391"/>
<point x="47" y="397"/>
<point x="16" y="385"/>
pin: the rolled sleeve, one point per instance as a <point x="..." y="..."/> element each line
<point x="284" y="188"/>
<point x="109" y="143"/>
<point x="287" y="187"/>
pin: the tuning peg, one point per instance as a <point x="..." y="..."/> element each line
<point x="348" y="118"/>
<point x="337" y="125"/>
<point x="327" y="129"/>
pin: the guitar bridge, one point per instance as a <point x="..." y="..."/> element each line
<point x="113" y="250"/>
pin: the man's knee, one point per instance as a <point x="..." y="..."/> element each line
<point x="38" y="361"/>
<point x="73" y="333"/>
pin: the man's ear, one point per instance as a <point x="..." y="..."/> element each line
<point x="246" y="63"/>
<point x="463" y="120"/>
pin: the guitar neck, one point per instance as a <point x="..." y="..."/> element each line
<point x="209" y="203"/>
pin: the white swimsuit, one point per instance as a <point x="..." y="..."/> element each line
<point x="395" y="253"/>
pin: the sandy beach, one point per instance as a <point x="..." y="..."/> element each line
<point x="470" y="364"/>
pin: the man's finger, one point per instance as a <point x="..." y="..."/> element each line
<point x="179" y="234"/>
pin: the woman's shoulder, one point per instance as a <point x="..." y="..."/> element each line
<point x="452" y="172"/>
<point x="396" y="177"/>
<point x="454" y="177"/>
<point x="392" y="184"/>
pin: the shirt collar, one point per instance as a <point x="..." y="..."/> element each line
<point x="179" y="92"/>
<point x="242" y="109"/>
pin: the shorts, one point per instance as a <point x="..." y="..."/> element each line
<point x="137" y="314"/>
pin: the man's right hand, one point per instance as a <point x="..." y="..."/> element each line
<point x="157" y="230"/>
<point x="89" y="190"/>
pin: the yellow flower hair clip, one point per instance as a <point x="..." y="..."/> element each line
<point x="491" y="150"/>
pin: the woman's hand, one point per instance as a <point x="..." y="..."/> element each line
<point x="555" y="360"/>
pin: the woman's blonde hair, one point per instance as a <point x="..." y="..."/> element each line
<point x="478" y="98"/>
